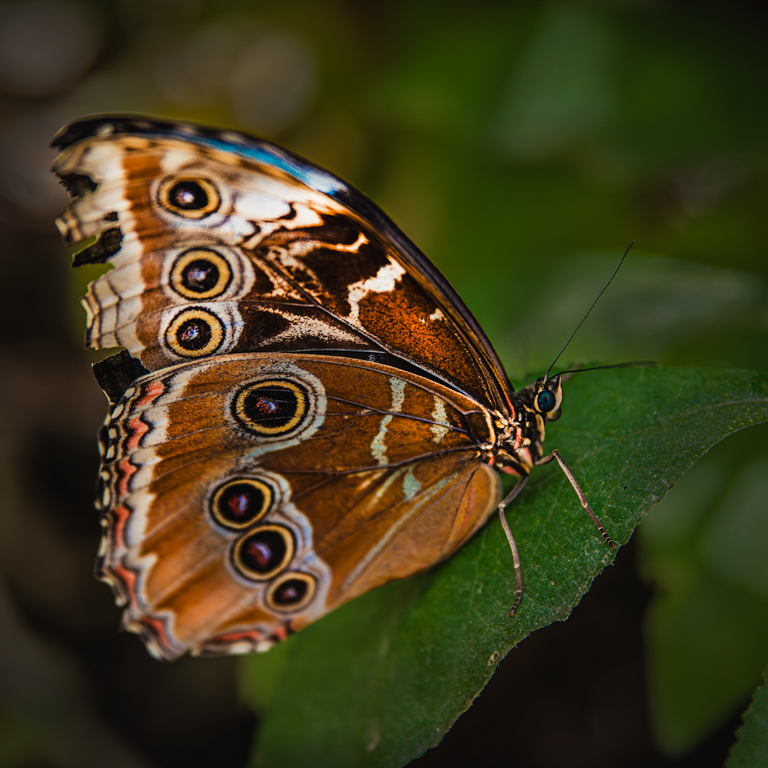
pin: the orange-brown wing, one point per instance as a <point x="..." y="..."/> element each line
<point x="247" y="495"/>
<point x="221" y="243"/>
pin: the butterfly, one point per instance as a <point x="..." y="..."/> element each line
<point x="303" y="408"/>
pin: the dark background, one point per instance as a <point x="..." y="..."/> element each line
<point x="522" y="146"/>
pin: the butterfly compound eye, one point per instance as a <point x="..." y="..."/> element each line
<point x="546" y="401"/>
<point x="190" y="198"/>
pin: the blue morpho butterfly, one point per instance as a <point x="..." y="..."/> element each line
<point x="304" y="408"/>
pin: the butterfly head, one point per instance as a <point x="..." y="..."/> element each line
<point x="520" y="441"/>
<point x="546" y="397"/>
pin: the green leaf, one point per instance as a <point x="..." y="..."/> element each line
<point x="382" y="679"/>
<point x="751" y="748"/>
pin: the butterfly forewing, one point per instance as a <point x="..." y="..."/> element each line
<point x="228" y="244"/>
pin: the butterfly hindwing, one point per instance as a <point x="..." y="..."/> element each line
<point x="247" y="495"/>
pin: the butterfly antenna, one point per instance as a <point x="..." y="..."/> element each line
<point x="581" y="322"/>
<point x="631" y="364"/>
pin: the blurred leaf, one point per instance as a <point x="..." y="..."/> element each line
<point x="706" y="645"/>
<point x="738" y="556"/>
<point x="657" y="307"/>
<point x="382" y="679"/>
<point x="751" y="748"/>
<point x="707" y="628"/>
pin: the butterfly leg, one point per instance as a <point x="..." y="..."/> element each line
<point x="582" y="498"/>
<point x="511" y="539"/>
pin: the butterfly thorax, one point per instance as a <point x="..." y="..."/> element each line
<point x="520" y="435"/>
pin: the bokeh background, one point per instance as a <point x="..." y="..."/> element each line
<point x="522" y="145"/>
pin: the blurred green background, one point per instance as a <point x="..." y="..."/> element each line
<point x="522" y="146"/>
